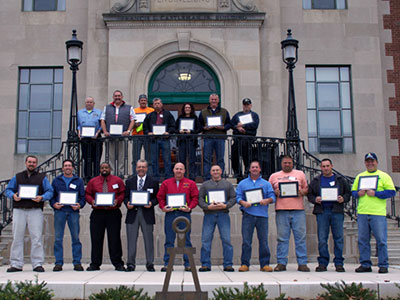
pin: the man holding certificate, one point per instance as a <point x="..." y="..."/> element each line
<point x="215" y="121"/>
<point x="140" y="199"/>
<point x="290" y="187"/>
<point x="67" y="200"/>
<point x="372" y="187"/>
<point x="328" y="192"/>
<point x="216" y="197"/>
<point x="254" y="194"/>
<point x="105" y="193"/>
<point x="28" y="190"/>
<point x="117" y="119"/>
<point x="177" y="197"/>
<point x="244" y="125"/>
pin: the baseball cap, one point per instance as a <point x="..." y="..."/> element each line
<point x="371" y="155"/>
<point x="142" y="96"/>
<point x="246" y="101"/>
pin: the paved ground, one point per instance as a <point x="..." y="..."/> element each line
<point x="69" y="284"/>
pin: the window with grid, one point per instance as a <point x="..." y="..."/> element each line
<point x="329" y="109"/>
<point x="43" y="5"/>
<point x="39" y="110"/>
<point x="324" y="4"/>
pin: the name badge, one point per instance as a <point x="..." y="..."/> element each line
<point x="150" y="190"/>
<point x="115" y="186"/>
<point x="72" y="186"/>
<point x="291" y="178"/>
<point x="332" y="183"/>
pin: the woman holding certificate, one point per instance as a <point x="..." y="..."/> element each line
<point x="188" y="123"/>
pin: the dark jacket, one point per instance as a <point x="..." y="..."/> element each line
<point x="197" y="128"/>
<point x="251" y="128"/>
<point x="151" y="185"/>
<point x="314" y="190"/>
<point x="151" y="118"/>
<point x="76" y="185"/>
<point x="208" y="112"/>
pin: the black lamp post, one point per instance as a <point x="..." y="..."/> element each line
<point x="289" y="55"/>
<point x="74" y="59"/>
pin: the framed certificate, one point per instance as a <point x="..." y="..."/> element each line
<point x="246" y="119"/>
<point x="88" y="131"/>
<point x="176" y="200"/>
<point x="140" y="117"/>
<point x="329" y="194"/>
<point x="28" y="191"/>
<point x="289" y="189"/>
<point x="368" y="182"/>
<point x="104" y="199"/>
<point x="116" y="129"/>
<point x="159" y="129"/>
<point x="139" y="198"/>
<point x="186" y="124"/>
<point x="214" y="121"/>
<point x="68" y="198"/>
<point x="216" y="196"/>
<point x="254" y="196"/>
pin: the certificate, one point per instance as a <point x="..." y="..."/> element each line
<point x="116" y="129"/>
<point x="214" y="121"/>
<point x="68" y="198"/>
<point x="186" y="124"/>
<point x="254" y="196"/>
<point x="104" y="199"/>
<point x="139" y="198"/>
<point x="140" y="117"/>
<point x="289" y="189"/>
<point x="159" y="129"/>
<point x="246" y="119"/>
<point x="176" y="200"/>
<point x="216" y="196"/>
<point x="88" y="131"/>
<point x="368" y="182"/>
<point x="329" y="194"/>
<point x="27" y="191"/>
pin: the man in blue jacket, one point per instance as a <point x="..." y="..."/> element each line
<point x="67" y="211"/>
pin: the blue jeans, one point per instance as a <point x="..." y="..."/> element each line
<point x="209" y="146"/>
<point x="223" y="221"/>
<point x="60" y="218"/>
<point x="250" y="222"/>
<point x="334" y="221"/>
<point x="378" y="226"/>
<point x="170" y="234"/>
<point x="187" y="148"/>
<point x="286" y="221"/>
<point x="165" y="147"/>
<point x="139" y="142"/>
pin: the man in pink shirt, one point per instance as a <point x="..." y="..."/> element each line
<point x="290" y="186"/>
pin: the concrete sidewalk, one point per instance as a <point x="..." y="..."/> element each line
<point x="70" y="284"/>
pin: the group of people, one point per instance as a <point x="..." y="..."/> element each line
<point x="152" y="126"/>
<point x="178" y="196"/>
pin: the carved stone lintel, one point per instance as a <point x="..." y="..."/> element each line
<point x="122" y="8"/>
<point x="245" y="5"/>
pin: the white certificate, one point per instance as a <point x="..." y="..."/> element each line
<point x="289" y="189"/>
<point x="140" y="117"/>
<point x="216" y="196"/>
<point x="187" y="124"/>
<point x="329" y="194"/>
<point x="139" y="198"/>
<point x="26" y="191"/>
<point x="104" y="199"/>
<point x="176" y="200"/>
<point x="254" y="196"/>
<point x="214" y="121"/>
<point x="68" y="198"/>
<point x="159" y="129"/>
<point x="246" y="119"/>
<point x="116" y="129"/>
<point x="88" y="131"/>
<point x="368" y="182"/>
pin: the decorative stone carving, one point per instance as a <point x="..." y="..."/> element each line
<point x="223" y="3"/>
<point x="143" y="4"/>
<point x="245" y="5"/>
<point x="122" y="8"/>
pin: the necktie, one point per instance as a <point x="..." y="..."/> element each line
<point x="105" y="186"/>
<point x="140" y="184"/>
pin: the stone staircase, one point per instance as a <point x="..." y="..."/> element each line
<point x="5" y="244"/>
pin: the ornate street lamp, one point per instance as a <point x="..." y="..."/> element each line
<point x="74" y="59"/>
<point x="289" y="56"/>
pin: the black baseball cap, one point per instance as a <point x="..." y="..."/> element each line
<point x="246" y="101"/>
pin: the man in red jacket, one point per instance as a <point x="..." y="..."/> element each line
<point x="105" y="217"/>
<point x="177" y="185"/>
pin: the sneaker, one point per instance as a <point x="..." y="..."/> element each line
<point x="383" y="270"/>
<point x="229" y="269"/>
<point x="303" y="268"/>
<point x="339" y="268"/>
<point x="362" y="269"/>
<point x="13" y="269"/>
<point x="243" y="268"/>
<point x="320" y="268"/>
<point x="280" y="268"/>
<point x="93" y="268"/>
<point x="204" y="269"/>
<point x="188" y="269"/>
<point x="39" y="269"/>
<point x="78" y="267"/>
<point x="57" y="268"/>
<point x="266" y="268"/>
